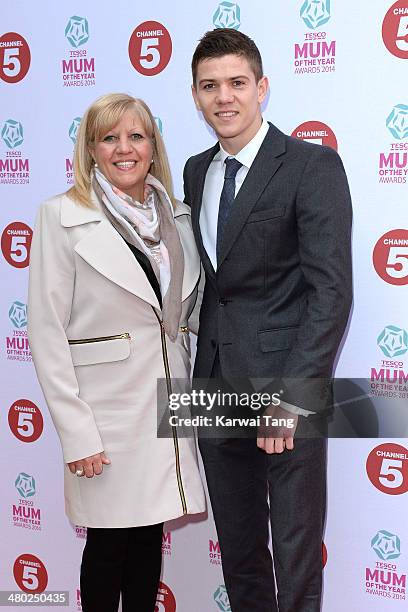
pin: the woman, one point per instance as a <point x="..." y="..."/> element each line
<point x="113" y="278"/>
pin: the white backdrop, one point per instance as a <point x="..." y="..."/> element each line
<point x="341" y="64"/>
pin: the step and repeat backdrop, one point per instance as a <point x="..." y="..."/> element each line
<point x="338" y="72"/>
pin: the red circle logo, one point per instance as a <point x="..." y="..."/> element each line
<point x="317" y="132"/>
<point x="25" y="420"/>
<point x="395" y="29"/>
<point x="30" y="574"/>
<point x="150" y="48"/>
<point x="387" y="468"/>
<point x="16" y="244"/>
<point x="390" y="257"/>
<point x="324" y="554"/>
<point x="165" y="601"/>
<point x="15" y="57"/>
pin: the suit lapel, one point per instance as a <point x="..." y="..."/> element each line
<point x="264" y="167"/>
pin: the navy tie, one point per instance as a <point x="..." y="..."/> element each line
<point x="232" y="166"/>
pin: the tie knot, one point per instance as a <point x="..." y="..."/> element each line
<point x="232" y="166"/>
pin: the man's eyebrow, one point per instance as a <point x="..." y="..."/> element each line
<point x="233" y="78"/>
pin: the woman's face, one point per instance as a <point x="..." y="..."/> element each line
<point x="124" y="155"/>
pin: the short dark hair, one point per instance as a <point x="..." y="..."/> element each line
<point x="226" y="41"/>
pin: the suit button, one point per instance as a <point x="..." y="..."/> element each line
<point x="222" y="302"/>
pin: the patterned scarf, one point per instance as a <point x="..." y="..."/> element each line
<point x="150" y="227"/>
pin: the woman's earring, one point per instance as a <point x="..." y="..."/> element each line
<point x="95" y="165"/>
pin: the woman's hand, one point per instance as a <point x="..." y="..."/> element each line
<point x="90" y="466"/>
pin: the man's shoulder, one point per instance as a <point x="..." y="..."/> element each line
<point x="298" y="148"/>
<point x="199" y="158"/>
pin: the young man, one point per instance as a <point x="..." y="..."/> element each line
<point x="272" y="218"/>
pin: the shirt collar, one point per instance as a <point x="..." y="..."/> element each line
<point x="246" y="155"/>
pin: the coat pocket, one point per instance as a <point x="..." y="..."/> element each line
<point x="277" y="339"/>
<point x="89" y="351"/>
<point x="265" y="215"/>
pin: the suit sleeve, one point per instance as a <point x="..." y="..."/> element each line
<point x="324" y="217"/>
<point x="50" y="293"/>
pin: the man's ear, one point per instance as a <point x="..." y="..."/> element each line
<point x="263" y="86"/>
<point x="195" y="97"/>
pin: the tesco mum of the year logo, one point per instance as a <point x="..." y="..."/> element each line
<point x="227" y="15"/>
<point x="315" y="13"/>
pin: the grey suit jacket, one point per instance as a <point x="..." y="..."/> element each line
<point x="278" y="304"/>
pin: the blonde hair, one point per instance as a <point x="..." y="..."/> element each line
<point x="101" y="117"/>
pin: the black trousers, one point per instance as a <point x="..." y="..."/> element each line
<point x="123" y="562"/>
<point x="240" y="479"/>
<point x="250" y="489"/>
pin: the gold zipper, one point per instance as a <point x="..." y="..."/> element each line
<point x="173" y="428"/>
<point x="100" y="339"/>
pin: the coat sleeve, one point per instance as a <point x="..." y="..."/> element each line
<point x="50" y="293"/>
<point x="324" y="216"/>
<point x="186" y="173"/>
<point x="194" y="318"/>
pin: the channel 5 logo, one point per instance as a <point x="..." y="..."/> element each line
<point x="395" y="29"/>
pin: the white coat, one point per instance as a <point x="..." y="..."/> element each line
<point x="85" y="284"/>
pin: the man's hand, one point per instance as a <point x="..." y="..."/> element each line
<point x="274" y="439"/>
<point x="90" y="466"/>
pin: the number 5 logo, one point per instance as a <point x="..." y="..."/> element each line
<point x="16" y="244"/>
<point x="395" y="29"/>
<point x="15" y="57"/>
<point x="25" y="420"/>
<point x="30" y="574"/>
<point x="387" y="468"/>
<point x="165" y="601"/>
<point x="390" y="257"/>
<point x="150" y="48"/>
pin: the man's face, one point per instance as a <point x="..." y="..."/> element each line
<point x="229" y="97"/>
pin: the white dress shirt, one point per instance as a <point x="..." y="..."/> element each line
<point x="214" y="182"/>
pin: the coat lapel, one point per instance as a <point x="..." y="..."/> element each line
<point x="106" y="251"/>
<point x="191" y="257"/>
<point x="264" y="167"/>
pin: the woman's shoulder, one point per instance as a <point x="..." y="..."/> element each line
<point x="181" y="211"/>
<point x="53" y="204"/>
<point x="67" y="210"/>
